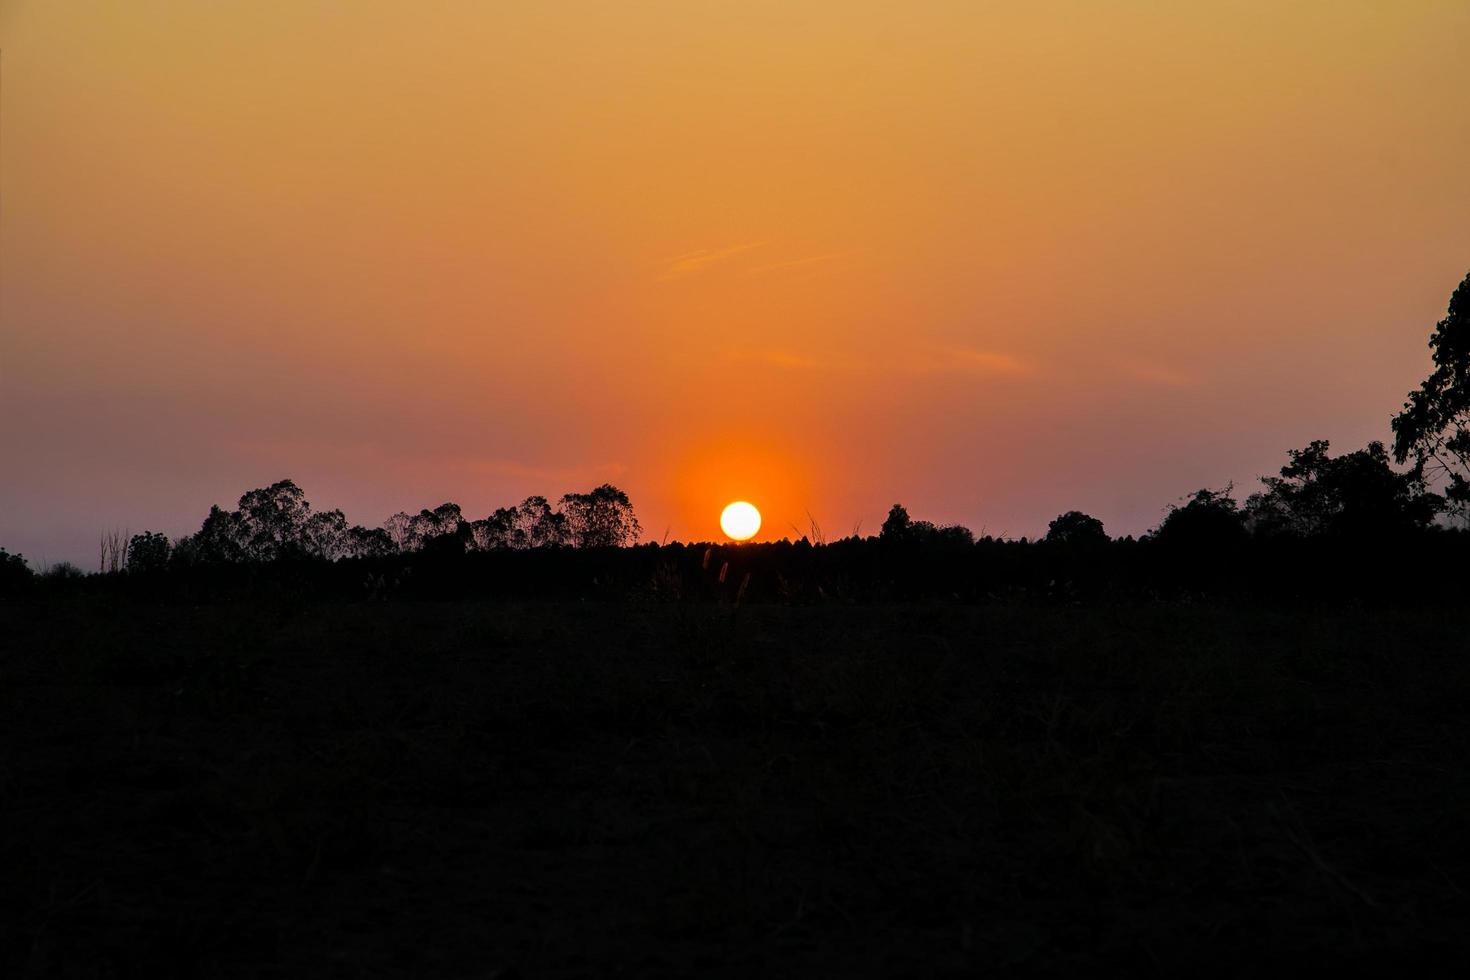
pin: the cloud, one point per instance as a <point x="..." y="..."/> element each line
<point x="1153" y="372"/>
<point x="986" y="362"/>
<point x="917" y="361"/>
<point x="694" y="262"/>
<point x="794" y="263"/>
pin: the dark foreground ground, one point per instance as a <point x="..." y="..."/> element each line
<point x="487" y="790"/>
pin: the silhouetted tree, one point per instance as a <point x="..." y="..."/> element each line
<point x="898" y="528"/>
<point x="447" y="545"/>
<point x="15" y="573"/>
<point x="602" y="518"/>
<point x="429" y="525"/>
<point x="399" y="529"/>
<point x="1209" y="519"/>
<point x="221" y="538"/>
<point x="365" y="542"/>
<point x="113" y="552"/>
<point x="536" y="525"/>
<point x="1076" y="528"/>
<point x="1354" y="494"/>
<point x="1434" y="426"/>
<point x="148" y="552"/>
<point x="897" y="525"/>
<point x="495" y="531"/>
<point x="272" y="520"/>
<point x="946" y="535"/>
<point x="325" y="535"/>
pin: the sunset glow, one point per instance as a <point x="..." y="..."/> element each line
<point x="566" y="488"/>
<point x="992" y="260"/>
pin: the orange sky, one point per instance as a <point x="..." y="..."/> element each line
<point x="993" y="260"/>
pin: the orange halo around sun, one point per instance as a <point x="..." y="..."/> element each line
<point x="740" y="521"/>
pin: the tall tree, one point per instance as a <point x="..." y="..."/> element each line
<point x="325" y="535"/>
<point x="494" y="532"/>
<point x="537" y="525"/>
<point x="442" y="521"/>
<point x="399" y="529"/>
<point x="221" y="537"/>
<point x="601" y="518"/>
<point x="1434" y="427"/>
<point x="896" y="525"/>
<point x="273" y="519"/>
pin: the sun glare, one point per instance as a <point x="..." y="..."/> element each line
<point x="740" y="521"/>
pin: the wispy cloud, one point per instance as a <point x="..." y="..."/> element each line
<point x="964" y="360"/>
<point x="911" y="361"/>
<point x="934" y="360"/>
<point x="792" y="264"/>
<point x="693" y="262"/>
<point x="1153" y="372"/>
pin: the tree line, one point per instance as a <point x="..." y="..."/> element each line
<point x="1359" y="495"/>
<point x="277" y="523"/>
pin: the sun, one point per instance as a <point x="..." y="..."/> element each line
<point x="740" y="520"/>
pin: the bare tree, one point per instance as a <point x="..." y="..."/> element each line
<point x="114" y="551"/>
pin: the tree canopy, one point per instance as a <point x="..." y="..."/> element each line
<point x="1434" y="427"/>
<point x="1207" y="519"/>
<point x="1355" y="494"/>
<point x="277" y="522"/>
<point x="1076" y="528"/>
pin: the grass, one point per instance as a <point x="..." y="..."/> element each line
<point x="481" y="789"/>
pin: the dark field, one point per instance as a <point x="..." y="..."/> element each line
<point x="478" y="789"/>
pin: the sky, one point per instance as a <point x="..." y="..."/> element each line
<point x="994" y="261"/>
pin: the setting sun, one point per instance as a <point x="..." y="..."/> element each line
<point x="740" y="521"/>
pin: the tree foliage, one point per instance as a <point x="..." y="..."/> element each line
<point x="1356" y="494"/>
<point x="899" y="528"/>
<point x="1209" y="519"/>
<point x="325" y="534"/>
<point x="1434" y="427"/>
<point x="148" y="552"/>
<point x="896" y="525"/>
<point x="1076" y="528"/>
<point x="601" y="518"/>
<point x="277" y="522"/>
<point x="443" y="521"/>
<point x="537" y="525"/>
<point x="15" y="573"/>
<point x="271" y="521"/>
